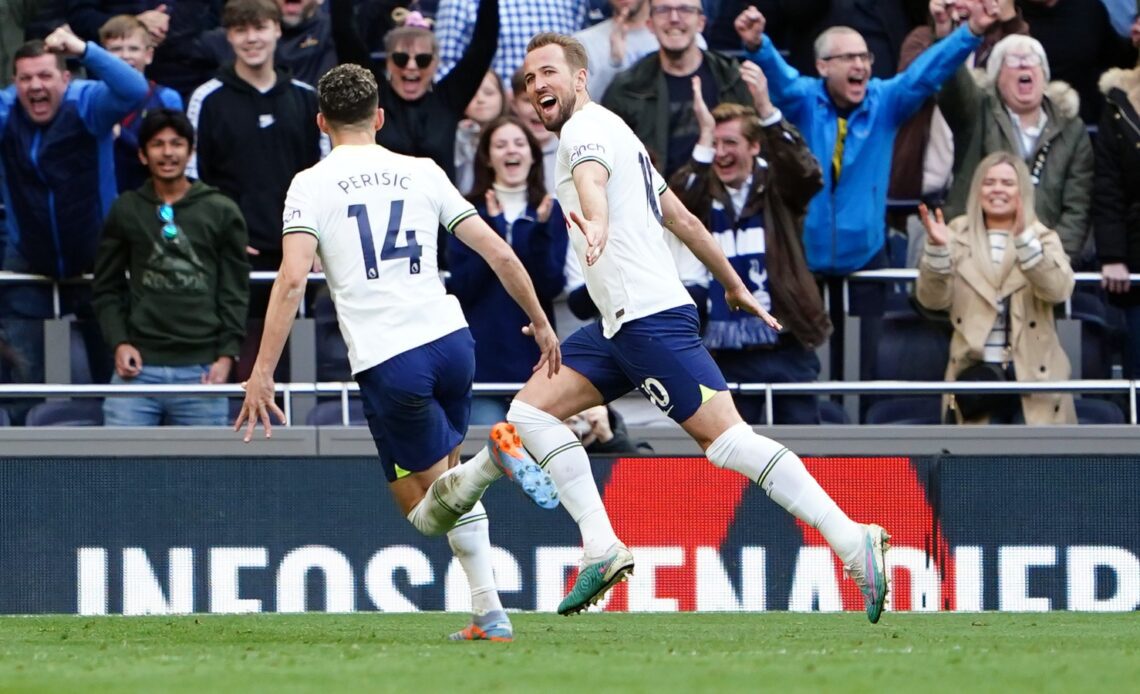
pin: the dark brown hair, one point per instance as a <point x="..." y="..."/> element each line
<point x="485" y="175"/>
<point x="242" y="13"/>
<point x="348" y="95"/>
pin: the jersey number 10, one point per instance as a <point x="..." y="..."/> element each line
<point x="389" y="251"/>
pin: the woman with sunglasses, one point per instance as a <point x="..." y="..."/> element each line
<point x="420" y="118"/>
<point x="510" y="194"/>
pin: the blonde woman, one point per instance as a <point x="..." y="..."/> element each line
<point x="999" y="272"/>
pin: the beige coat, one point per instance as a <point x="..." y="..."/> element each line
<point x="971" y="293"/>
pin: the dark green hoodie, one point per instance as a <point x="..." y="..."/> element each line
<point x="186" y="299"/>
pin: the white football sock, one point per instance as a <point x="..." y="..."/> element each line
<point x="471" y="544"/>
<point x="782" y="475"/>
<point x="560" y="453"/>
<point x="454" y="493"/>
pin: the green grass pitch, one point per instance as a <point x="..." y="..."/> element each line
<point x="590" y="653"/>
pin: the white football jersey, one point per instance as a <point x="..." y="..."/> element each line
<point x="376" y="216"/>
<point x="635" y="275"/>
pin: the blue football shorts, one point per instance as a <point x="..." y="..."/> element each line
<point x="418" y="403"/>
<point x="661" y="355"/>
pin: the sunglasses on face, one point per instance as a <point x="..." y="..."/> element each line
<point x="422" y="59"/>
<point x="166" y="216"/>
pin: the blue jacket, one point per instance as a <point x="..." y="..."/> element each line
<point x="846" y="223"/>
<point x="502" y="353"/>
<point x="60" y="178"/>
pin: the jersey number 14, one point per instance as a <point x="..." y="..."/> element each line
<point x="390" y="250"/>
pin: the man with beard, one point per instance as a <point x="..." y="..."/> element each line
<point x="655" y="96"/>
<point x="647" y="336"/>
<point x="849" y="119"/>
<point x="180" y="316"/>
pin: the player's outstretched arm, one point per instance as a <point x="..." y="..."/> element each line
<point x="298" y="250"/>
<point x="686" y="227"/>
<point x="474" y="232"/>
<point x="590" y="178"/>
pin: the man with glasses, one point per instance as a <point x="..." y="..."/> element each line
<point x="655" y="96"/>
<point x="180" y="316"/>
<point x="849" y="119"/>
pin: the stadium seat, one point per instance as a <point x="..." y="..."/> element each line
<point x="80" y="363"/>
<point x="4" y="419"/>
<point x="832" y="413"/>
<point x="66" y="413"/>
<point x="926" y="409"/>
<point x="328" y="414"/>
<point x="1097" y="411"/>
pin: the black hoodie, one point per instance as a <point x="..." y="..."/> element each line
<point x="251" y="144"/>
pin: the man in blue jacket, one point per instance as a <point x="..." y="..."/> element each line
<point x="56" y="150"/>
<point x="849" y="119"/>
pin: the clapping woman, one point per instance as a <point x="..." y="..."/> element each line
<point x="999" y="272"/>
<point x="510" y="194"/>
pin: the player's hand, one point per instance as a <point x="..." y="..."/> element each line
<point x="548" y="345"/>
<point x="258" y="405"/>
<point x="749" y="25"/>
<point x="757" y="83"/>
<point x="64" y="42"/>
<point x="596" y="236"/>
<point x="740" y="299"/>
<point x="219" y="371"/>
<point x="1114" y="278"/>
<point x="544" y="209"/>
<point x="128" y="361"/>
<point x="937" y="233"/>
<point x="494" y="209"/>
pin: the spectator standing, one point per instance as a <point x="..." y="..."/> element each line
<point x="655" y="96"/>
<point x="1021" y="111"/>
<point x="510" y="194"/>
<point x="615" y="44"/>
<point x="175" y="26"/>
<point x="180" y="317"/>
<point x="999" y="272"/>
<point x="421" y="117"/>
<point x="1081" y="44"/>
<point x="1116" y="198"/>
<point x="754" y="208"/>
<point x="56" y="151"/>
<point x="14" y="16"/>
<point x="457" y="27"/>
<point x="256" y="128"/>
<point x="849" y="119"/>
<point x="126" y="37"/>
<point x="306" y="48"/>
<point x="489" y="103"/>
<point x="923" y="159"/>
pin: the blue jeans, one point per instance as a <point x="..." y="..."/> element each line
<point x="142" y="411"/>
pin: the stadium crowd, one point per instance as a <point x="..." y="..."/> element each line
<point x="993" y="145"/>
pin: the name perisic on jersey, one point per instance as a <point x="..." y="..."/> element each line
<point x="376" y="179"/>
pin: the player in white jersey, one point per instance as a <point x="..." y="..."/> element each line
<point x="648" y="337"/>
<point x="373" y="216"/>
